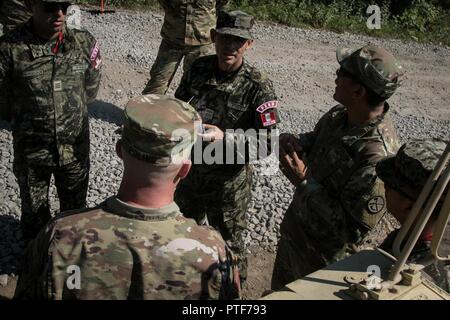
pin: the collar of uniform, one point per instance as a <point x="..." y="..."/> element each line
<point x="39" y="48"/>
<point x="116" y="206"/>
<point x="356" y="133"/>
<point x="227" y="78"/>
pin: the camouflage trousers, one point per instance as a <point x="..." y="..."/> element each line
<point x="167" y="61"/>
<point x="223" y="204"/>
<point x="299" y="253"/>
<point x="34" y="181"/>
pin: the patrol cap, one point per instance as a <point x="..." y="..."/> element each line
<point x="374" y="66"/>
<point x="235" y="23"/>
<point x="159" y="129"/>
<point x="409" y="170"/>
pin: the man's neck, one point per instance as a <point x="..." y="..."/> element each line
<point x="361" y="114"/>
<point x="223" y="70"/>
<point x="155" y="196"/>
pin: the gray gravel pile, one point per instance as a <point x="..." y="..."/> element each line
<point x="129" y="37"/>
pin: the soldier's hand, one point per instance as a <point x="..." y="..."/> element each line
<point x="292" y="165"/>
<point x="212" y="133"/>
<point x="289" y="143"/>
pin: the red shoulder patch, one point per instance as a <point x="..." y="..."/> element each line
<point x="268" y="119"/>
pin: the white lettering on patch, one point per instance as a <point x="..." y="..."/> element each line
<point x="267" y="105"/>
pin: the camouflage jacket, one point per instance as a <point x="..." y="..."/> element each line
<point x="12" y="14"/>
<point x="342" y="197"/>
<point x="123" y="252"/>
<point x="188" y="22"/>
<point x="45" y="95"/>
<point x="243" y="100"/>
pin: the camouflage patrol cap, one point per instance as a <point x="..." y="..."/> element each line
<point x="375" y="67"/>
<point x="409" y="170"/>
<point x="159" y="129"/>
<point x="235" y="23"/>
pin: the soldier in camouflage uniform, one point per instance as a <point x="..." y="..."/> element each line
<point x="12" y="14"/>
<point x="338" y="196"/>
<point x="228" y="93"/>
<point x="137" y="244"/>
<point x="404" y="177"/>
<point x="185" y="33"/>
<point x="48" y="75"/>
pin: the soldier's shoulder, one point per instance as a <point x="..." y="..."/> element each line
<point x="17" y="36"/>
<point x="204" y="62"/>
<point x="255" y="75"/>
<point x="84" y="38"/>
<point x="77" y="217"/>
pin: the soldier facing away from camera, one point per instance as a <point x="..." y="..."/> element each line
<point x="48" y="75"/>
<point x="13" y="13"/>
<point x="185" y="34"/>
<point x="338" y="196"/>
<point x="136" y="244"/>
<point x="230" y="94"/>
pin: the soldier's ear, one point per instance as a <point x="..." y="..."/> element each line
<point x="119" y="148"/>
<point x="213" y="35"/>
<point x="249" y="43"/>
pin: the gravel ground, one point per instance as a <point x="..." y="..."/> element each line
<point x="302" y="65"/>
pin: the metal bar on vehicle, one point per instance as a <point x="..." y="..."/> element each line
<point x="441" y="224"/>
<point x="396" y="248"/>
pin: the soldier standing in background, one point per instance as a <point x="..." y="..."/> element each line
<point x="12" y="14"/>
<point x="338" y="197"/>
<point x="185" y="33"/>
<point x="137" y="244"/>
<point x="229" y="93"/>
<point x="48" y="75"/>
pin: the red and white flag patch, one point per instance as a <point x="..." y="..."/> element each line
<point x="95" y="57"/>
<point x="267" y="105"/>
<point x="268" y="119"/>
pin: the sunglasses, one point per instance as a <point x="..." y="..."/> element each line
<point x="50" y="7"/>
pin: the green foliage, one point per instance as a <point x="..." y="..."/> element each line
<point x="421" y="20"/>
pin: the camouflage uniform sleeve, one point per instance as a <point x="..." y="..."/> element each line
<point x="93" y="73"/>
<point x="33" y="282"/>
<point x="265" y="112"/>
<point x="361" y="201"/>
<point x="5" y="82"/>
<point x="223" y="280"/>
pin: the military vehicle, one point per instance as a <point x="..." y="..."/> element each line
<point x="377" y="275"/>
